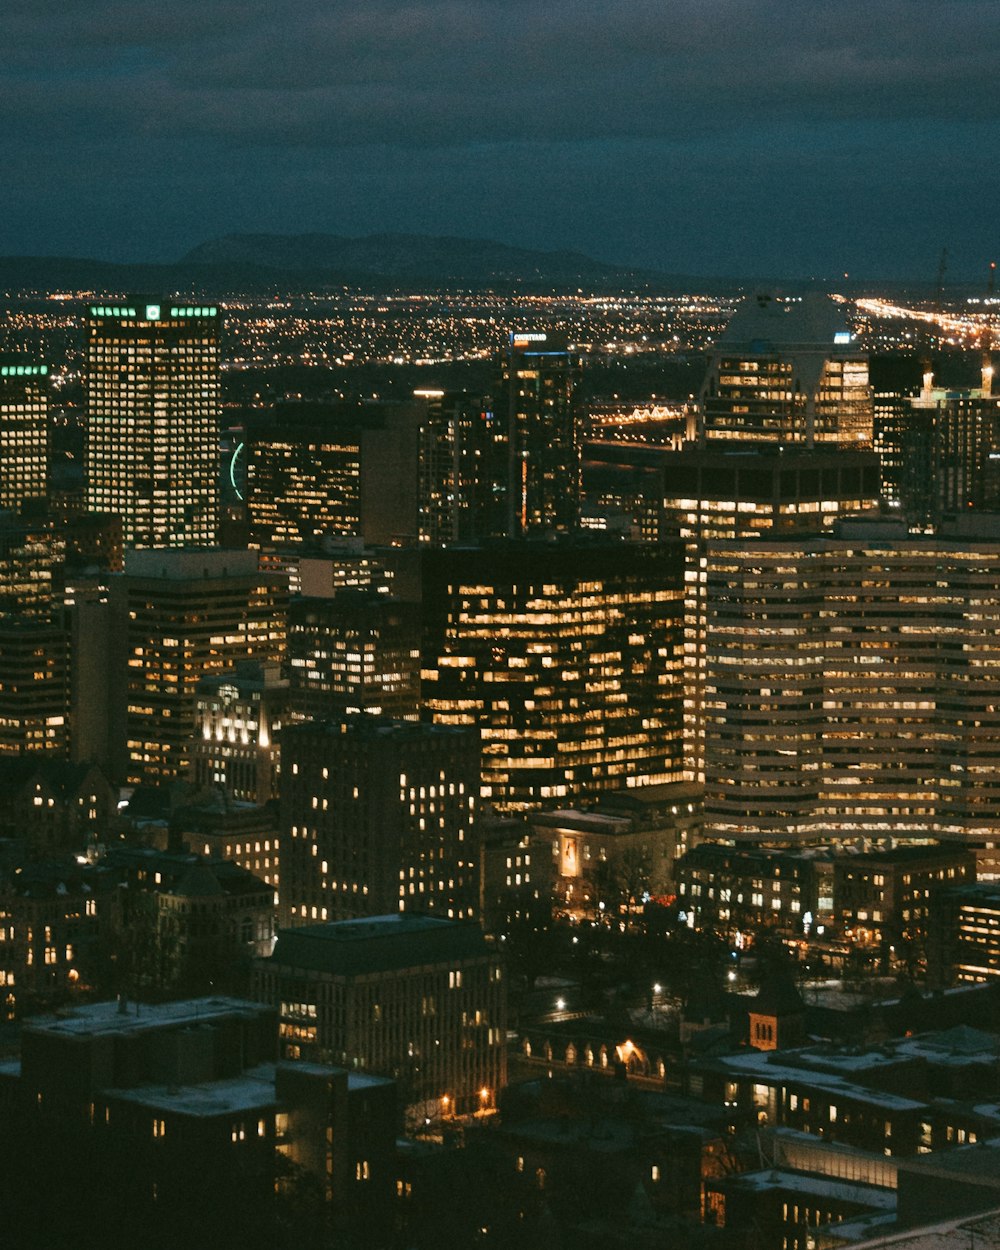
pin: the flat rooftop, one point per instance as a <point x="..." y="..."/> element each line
<point x="378" y="944"/>
<point x="94" y="1019"/>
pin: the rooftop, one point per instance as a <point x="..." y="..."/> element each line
<point x="768" y="323"/>
<point x="378" y="944"/>
<point x="105" y="1019"/>
<point x="820" y="1186"/>
<point x="958" y="1233"/>
<point x="247" y="1094"/>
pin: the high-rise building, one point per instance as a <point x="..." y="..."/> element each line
<point x="34" y="640"/>
<point x="185" y="616"/>
<point x="341" y="470"/>
<point x="851" y="686"/>
<point x="358" y="651"/>
<point x="378" y="816"/>
<point x="543" y="458"/>
<point x="567" y="658"/>
<point x="34" y="686"/>
<point x="24" y="431"/>
<point x="32" y="555"/>
<point x="787" y="385"/>
<point x="964" y="469"/>
<point x="786" y="371"/>
<point x="463" y="467"/>
<point x="152" y="379"/>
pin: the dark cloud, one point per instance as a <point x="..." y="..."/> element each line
<point x="200" y="98"/>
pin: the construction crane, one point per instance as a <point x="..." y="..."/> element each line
<point x="987" y="360"/>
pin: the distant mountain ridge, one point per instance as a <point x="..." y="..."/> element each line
<point x="407" y="257"/>
<point x="298" y="263"/>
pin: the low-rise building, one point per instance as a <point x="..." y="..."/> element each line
<point x="883" y="898"/>
<point x="415" y="998"/>
<point x="622" y="849"/>
<point x="185" y="922"/>
<point x="246" y="833"/>
<point x="735" y="889"/>
<point x="51" y="805"/>
<point x="50" y="915"/>
<point x="184" y="1106"/>
<point x="906" y="1097"/>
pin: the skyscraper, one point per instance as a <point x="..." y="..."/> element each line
<point x="463" y="467"/>
<point x="185" y="616"/>
<point x="357" y="651"/>
<point x="24" y="438"/>
<point x="318" y="470"/>
<point x="543" y="461"/>
<point x="851" y="685"/>
<point x="153" y="414"/>
<point x="786" y="371"/>
<point x="567" y="657"/>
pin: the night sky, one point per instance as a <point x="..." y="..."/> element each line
<point x="742" y="137"/>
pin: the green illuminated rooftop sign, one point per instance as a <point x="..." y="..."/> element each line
<point x="153" y="312"/>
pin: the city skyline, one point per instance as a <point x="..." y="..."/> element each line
<point x="710" y="137"/>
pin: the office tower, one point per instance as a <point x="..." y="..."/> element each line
<point x="358" y="651"/>
<point x="152" y="378"/>
<point x="317" y="470"/>
<point x="32" y="554"/>
<point x="184" y="616"/>
<point x="238" y="719"/>
<point x="34" y="686"/>
<point x="24" y="431"/>
<point x="964" y="933"/>
<point x="785" y="384"/>
<point x="567" y="658"/>
<point x="715" y="493"/>
<point x="416" y="998"/>
<point x="895" y="382"/>
<point x="543" y="462"/>
<point x="851" y="686"/>
<point x="323" y="570"/>
<point x="786" y="372"/>
<point x="965" y="451"/>
<point x="463" y="467"/>
<point x="34" y="642"/>
<point x="624" y="480"/>
<point x="378" y="816"/>
<point x="94" y="541"/>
